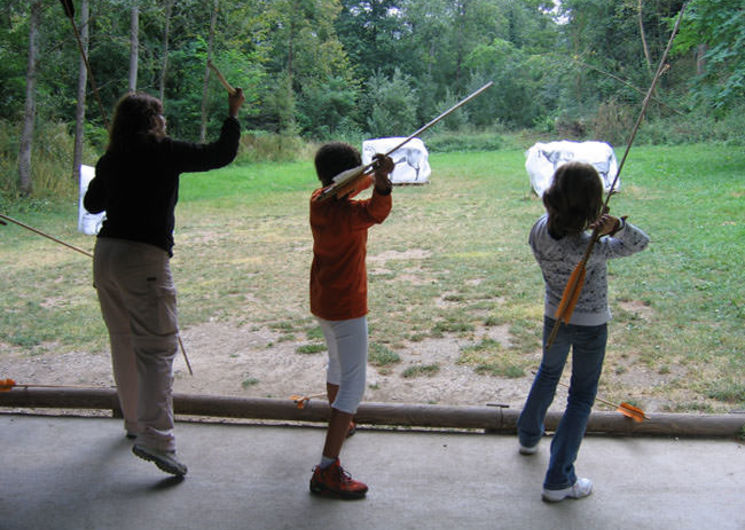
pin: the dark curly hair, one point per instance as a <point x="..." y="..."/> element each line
<point x="136" y="120"/>
<point x="333" y="158"/>
<point x="574" y="200"/>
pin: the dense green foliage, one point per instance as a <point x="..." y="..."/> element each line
<point x="322" y="69"/>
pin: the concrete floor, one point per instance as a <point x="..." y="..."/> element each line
<point x="79" y="473"/>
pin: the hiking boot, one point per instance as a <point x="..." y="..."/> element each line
<point x="335" y="482"/>
<point x="581" y="488"/>
<point x="165" y="460"/>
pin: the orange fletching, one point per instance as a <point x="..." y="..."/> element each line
<point x="6" y="385"/>
<point x="630" y="411"/>
<point x="571" y="294"/>
<point x="300" y="401"/>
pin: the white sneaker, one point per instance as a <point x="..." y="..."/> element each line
<point x="581" y="488"/>
<point x="524" y="450"/>
<point x="165" y="460"/>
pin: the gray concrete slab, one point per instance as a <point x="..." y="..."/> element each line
<point x="79" y="473"/>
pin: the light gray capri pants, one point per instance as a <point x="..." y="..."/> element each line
<point x="347" y="345"/>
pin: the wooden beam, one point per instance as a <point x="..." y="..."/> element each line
<point x="491" y="419"/>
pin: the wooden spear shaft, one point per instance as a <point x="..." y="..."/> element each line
<point x="340" y="183"/>
<point x="34" y="230"/>
<point x="440" y="117"/>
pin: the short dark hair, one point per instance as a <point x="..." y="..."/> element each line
<point x="333" y="158"/>
<point x="574" y="200"/>
<point x="135" y="120"/>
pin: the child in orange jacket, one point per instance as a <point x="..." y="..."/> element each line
<point x="338" y="299"/>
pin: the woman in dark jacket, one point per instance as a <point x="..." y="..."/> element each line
<point x="136" y="183"/>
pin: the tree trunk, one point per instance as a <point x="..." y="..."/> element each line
<point x="134" y="46"/>
<point x="644" y="39"/>
<point x="701" y="50"/>
<point x="77" y="156"/>
<point x="462" y="8"/>
<point x="24" y="155"/>
<point x="164" y="60"/>
<point x="205" y="86"/>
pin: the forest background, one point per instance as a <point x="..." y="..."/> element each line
<point x="315" y="70"/>
<point x="460" y="292"/>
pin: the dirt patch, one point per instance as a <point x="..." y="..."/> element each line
<point x="408" y="255"/>
<point x="638" y="309"/>
<point x="248" y="361"/>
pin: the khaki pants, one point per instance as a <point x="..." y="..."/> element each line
<point x="138" y="302"/>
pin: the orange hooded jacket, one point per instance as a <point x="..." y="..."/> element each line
<point x="338" y="275"/>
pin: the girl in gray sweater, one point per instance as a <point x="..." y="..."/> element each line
<point x="574" y="204"/>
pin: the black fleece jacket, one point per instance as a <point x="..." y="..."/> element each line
<point x="139" y="188"/>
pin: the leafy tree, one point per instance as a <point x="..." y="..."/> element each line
<point x="717" y="28"/>
<point x="600" y="36"/>
<point x="306" y="56"/>
<point x="518" y="97"/>
<point x="393" y="105"/>
<point x="328" y="108"/>
<point x="371" y="32"/>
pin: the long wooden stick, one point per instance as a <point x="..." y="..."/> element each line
<point x="44" y="234"/>
<point x="344" y="179"/>
<point x="302" y="401"/>
<point x="231" y="90"/>
<point x="85" y="253"/>
<point x="628" y="410"/>
<point x="571" y="291"/>
<point x="440" y="117"/>
<point x="6" y="385"/>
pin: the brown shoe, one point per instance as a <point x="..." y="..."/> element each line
<point x="335" y="482"/>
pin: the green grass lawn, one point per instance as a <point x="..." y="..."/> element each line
<point x="456" y="257"/>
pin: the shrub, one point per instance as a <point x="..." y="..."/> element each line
<point x="450" y="142"/>
<point x="51" y="160"/>
<point x="260" y="146"/>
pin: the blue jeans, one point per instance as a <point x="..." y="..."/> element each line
<point x="588" y="351"/>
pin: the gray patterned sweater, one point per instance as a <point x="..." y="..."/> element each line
<point x="558" y="257"/>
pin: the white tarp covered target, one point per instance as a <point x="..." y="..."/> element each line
<point x="412" y="159"/>
<point x="88" y="223"/>
<point x="542" y="160"/>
